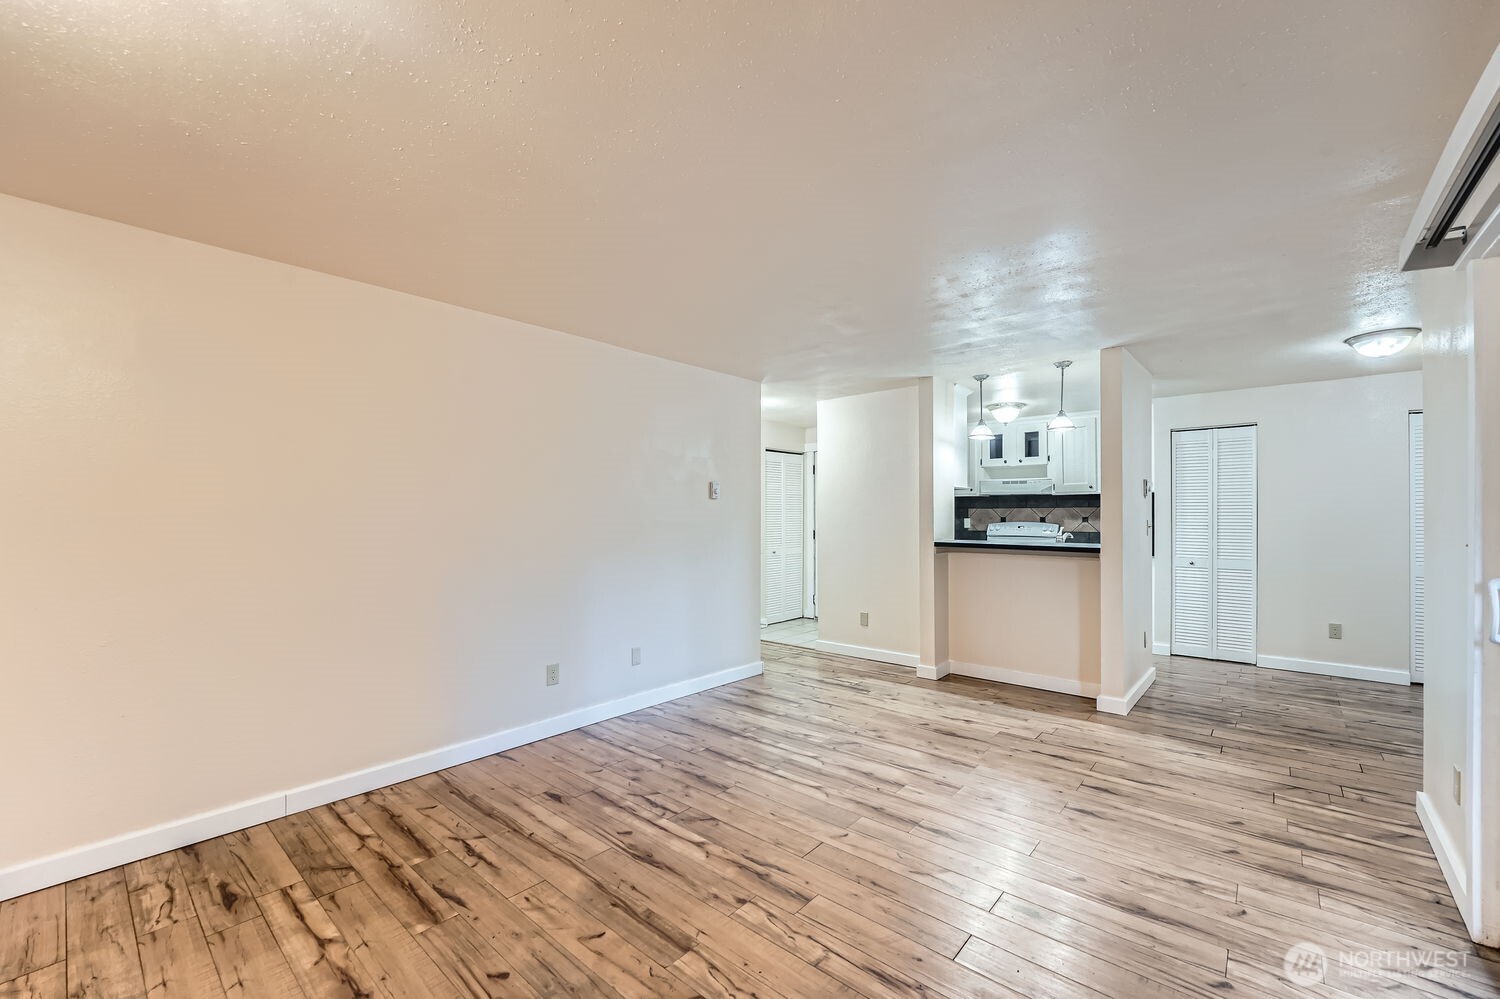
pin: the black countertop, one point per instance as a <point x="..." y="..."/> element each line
<point x="1073" y="547"/>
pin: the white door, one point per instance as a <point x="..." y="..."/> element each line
<point x="1418" y="551"/>
<point x="1213" y="543"/>
<point x="781" y="546"/>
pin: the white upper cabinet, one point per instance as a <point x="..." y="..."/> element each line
<point x="1018" y="443"/>
<point x="1073" y="456"/>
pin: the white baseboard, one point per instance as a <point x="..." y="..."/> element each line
<point x="95" y="857"/>
<point x="1161" y="648"/>
<point x="1122" y="705"/>
<point x="123" y="849"/>
<point x="1452" y="863"/>
<point x="937" y="672"/>
<point x="860" y="652"/>
<point x="1379" y="674"/>
<point x="1037" y="681"/>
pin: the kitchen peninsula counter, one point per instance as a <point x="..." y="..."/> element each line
<point x="1022" y="612"/>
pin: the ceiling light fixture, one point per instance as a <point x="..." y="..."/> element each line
<point x="981" y="431"/>
<point x="1383" y="343"/>
<point x="1005" y="412"/>
<point x="1062" y="421"/>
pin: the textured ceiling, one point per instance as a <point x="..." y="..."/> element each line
<point x="827" y="196"/>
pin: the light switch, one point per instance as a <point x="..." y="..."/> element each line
<point x="713" y="489"/>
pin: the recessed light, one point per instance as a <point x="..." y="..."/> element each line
<point x="1383" y="343"/>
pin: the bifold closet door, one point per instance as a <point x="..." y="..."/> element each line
<point x="1213" y="543"/>
<point x="1192" y="543"/>
<point x="781" y="545"/>
<point x="1234" y="544"/>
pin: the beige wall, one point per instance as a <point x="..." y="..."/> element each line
<point x="1033" y="615"/>
<point x="1124" y="513"/>
<point x="263" y="526"/>
<point x="869" y="508"/>
<point x="1334" y="514"/>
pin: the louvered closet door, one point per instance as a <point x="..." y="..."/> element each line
<point x="1214" y="543"/>
<point x="1192" y="538"/>
<point x="1234" y="544"/>
<point x="781" y="551"/>
<point x="1418" y="550"/>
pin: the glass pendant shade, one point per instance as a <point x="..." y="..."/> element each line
<point x="1005" y="412"/>
<point x="1062" y="421"/>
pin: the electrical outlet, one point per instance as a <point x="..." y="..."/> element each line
<point x="1335" y="631"/>
<point x="635" y="656"/>
<point x="967" y="525"/>
<point x="554" y="674"/>
<point x="1458" y="786"/>
<point x="864" y="619"/>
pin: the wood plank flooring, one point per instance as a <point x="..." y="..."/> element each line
<point x="833" y="828"/>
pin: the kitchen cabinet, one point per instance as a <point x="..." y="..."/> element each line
<point x="1020" y="442"/>
<point x="1073" y="463"/>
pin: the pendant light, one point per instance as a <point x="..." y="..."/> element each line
<point x="1062" y="421"/>
<point x="981" y="431"/>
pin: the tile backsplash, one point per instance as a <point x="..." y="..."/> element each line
<point x="1078" y="515"/>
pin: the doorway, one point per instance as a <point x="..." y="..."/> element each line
<point x="781" y="571"/>
<point x="1214" y="543"/>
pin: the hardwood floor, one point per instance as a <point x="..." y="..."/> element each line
<point x="834" y="828"/>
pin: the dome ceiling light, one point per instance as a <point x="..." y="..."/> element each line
<point x="1383" y="343"/>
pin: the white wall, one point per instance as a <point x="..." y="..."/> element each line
<point x="1452" y="563"/>
<point x="870" y="524"/>
<point x="938" y="462"/>
<point x="783" y="437"/>
<point x="263" y="527"/>
<point x="1334" y="509"/>
<point x="1125" y="564"/>
<point x="1482" y="779"/>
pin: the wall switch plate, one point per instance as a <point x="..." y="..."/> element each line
<point x="967" y="527"/>
<point x="635" y="657"/>
<point x="554" y="674"/>
<point x="713" y="489"/>
<point x="864" y="619"/>
<point x="1458" y="786"/>
<point x="1335" y="631"/>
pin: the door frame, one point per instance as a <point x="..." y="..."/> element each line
<point x="810" y="532"/>
<point x="1413" y="420"/>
